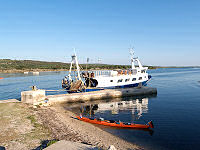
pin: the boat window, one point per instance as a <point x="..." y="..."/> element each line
<point x="133" y="79"/>
<point x="143" y="71"/>
<point x="120" y="103"/>
<point x="140" y="78"/>
<point x="111" y="80"/>
<point x="120" y="80"/>
<point x="127" y="80"/>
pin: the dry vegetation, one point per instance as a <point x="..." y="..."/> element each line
<point x="7" y="65"/>
<point x="19" y="128"/>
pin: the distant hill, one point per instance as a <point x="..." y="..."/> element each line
<point x="31" y="65"/>
<point x="7" y="64"/>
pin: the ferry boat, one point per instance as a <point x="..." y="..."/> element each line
<point x="133" y="77"/>
<point x="93" y="80"/>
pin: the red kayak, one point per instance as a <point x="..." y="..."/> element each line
<point x="1" y="78"/>
<point x="115" y="123"/>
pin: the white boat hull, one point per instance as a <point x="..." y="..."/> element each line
<point x="122" y="81"/>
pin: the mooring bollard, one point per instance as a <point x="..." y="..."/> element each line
<point x="33" y="96"/>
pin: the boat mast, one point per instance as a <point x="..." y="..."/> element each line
<point x="77" y="66"/>
<point x="70" y="70"/>
<point x="132" y="58"/>
<point x="74" y="60"/>
<point x="139" y="63"/>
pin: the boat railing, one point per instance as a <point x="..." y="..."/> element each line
<point x="102" y="73"/>
<point x="110" y="73"/>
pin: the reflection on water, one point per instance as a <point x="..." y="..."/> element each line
<point x="129" y="109"/>
<point x="137" y="107"/>
<point x="114" y="108"/>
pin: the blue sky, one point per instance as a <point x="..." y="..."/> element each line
<point x="162" y="32"/>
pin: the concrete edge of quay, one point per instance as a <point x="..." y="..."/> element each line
<point x="38" y="97"/>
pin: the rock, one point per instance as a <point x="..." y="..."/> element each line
<point x="111" y="147"/>
<point x="68" y="145"/>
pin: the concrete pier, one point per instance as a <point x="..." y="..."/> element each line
<point x="38" y="96"/>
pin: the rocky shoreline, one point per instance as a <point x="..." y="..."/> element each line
<point x="23" y="127"/>
<point x="64" y="126"/>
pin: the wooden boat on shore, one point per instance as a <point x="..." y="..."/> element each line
<point x="113" y="123"/>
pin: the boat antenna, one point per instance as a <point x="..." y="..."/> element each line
<point x="131" y="51"/>
<point x="87" y="61"/>
<point x="74" y="51"/>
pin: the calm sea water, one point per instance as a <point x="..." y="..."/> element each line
<point x="175" y="110"/>
<point x="12" y="84"/>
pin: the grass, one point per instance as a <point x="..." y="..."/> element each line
<point x="34" y="121"/>
<point x="32" y="118"/>
<point x="51" y="142"/>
